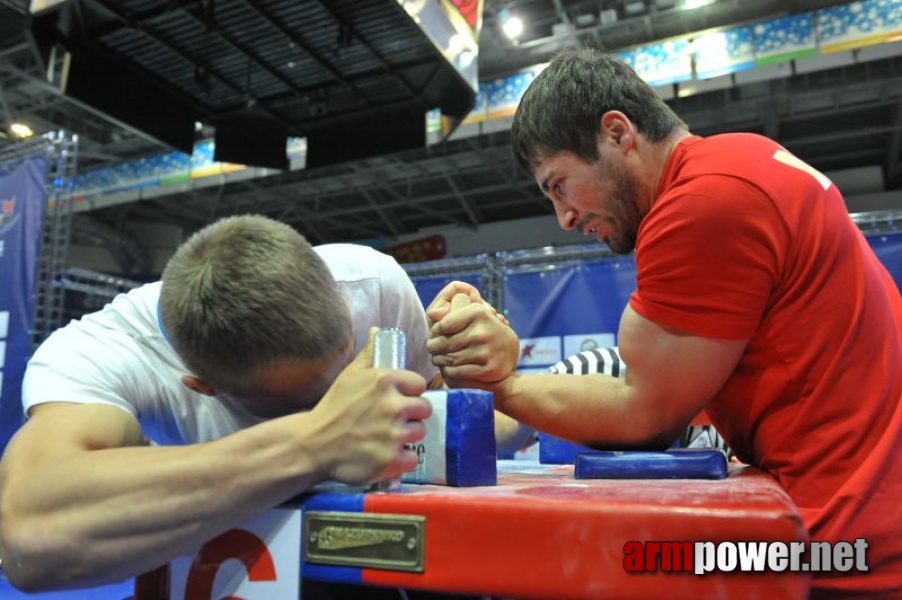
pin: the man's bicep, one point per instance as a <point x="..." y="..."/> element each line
<point x="673" y="375"/>
<point x="57" y="431"/>
<point x="82" y="426"/>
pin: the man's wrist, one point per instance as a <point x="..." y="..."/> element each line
<point x="502" y="391"/>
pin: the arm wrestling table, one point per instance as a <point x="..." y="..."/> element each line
<point x="540" y="533"/>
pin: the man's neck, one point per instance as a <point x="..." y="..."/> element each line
<point x="660" y="156"/>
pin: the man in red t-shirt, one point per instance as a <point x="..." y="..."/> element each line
<point x="758" y="300"/>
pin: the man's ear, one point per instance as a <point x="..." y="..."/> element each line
<point x="198" y="385"/>
<point x="617" y="127"/>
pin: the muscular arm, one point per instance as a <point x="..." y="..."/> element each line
<point x="672" y="376"/>
<point x="83" y="503"/>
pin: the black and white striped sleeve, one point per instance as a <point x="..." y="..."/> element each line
<point x="599" y="360"/>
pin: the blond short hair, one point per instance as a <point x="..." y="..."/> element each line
<point x="247" y="292"/>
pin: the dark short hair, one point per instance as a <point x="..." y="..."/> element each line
<point x="562" y="108"/>
<point x="245" y="293"/>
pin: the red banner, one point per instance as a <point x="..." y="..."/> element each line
<point x="427" y="248"/>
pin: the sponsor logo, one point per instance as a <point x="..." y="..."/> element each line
<point x="540" y="351"/>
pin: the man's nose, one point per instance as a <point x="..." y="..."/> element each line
<point x="566" y="217"/>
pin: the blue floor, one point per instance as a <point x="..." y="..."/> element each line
<point x="116" y="591"/>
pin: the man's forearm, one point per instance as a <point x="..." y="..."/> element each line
<point x="511" y="435"/>
<point x="595" y="410"/>
<point x="97" y="516"/>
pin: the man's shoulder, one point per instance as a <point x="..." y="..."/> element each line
<point x="128" y="321"/>
<point x="348" y="252"/>
<point x="707" y="168"/>
<point x="719" y="152"/>
<point x="349" y="262"/>
<point x="134" y="309"/>
<point x="738" y="138"/>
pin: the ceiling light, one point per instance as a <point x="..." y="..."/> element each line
<point x="585" y="19"/>
<point x="634" y="8"/>
<point x="690" y="4"/>
<point x="510" y="24"/>
<point x="21" y="130"/>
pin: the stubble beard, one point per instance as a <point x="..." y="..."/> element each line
<point x="624" y="207"/>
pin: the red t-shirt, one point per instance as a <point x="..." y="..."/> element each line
<point x="746" y="241"/>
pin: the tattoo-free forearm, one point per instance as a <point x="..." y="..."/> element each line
<point x="84" y="516"/>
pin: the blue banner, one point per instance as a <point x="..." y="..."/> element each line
<point x="22" y="196"/>
<point x="888" y="247"/>
<point x="562" y="309"/>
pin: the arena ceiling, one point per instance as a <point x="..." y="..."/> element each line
<point x="335" y="65"/>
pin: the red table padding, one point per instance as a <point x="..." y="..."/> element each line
<point x="540" y="533"/>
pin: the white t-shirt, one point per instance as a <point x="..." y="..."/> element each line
<point x="119" y="356"/>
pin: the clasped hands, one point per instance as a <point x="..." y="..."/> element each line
<point x="472" y="343"/>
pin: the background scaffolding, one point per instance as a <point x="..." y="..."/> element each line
<point x="61" y="150"/>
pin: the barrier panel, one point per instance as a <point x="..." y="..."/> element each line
<point x="568" y="299"/>
<point x="22" y="199"/>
